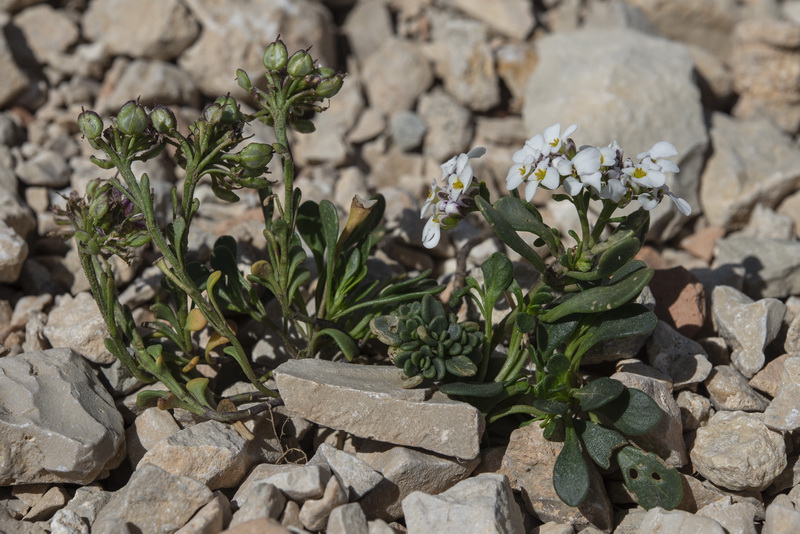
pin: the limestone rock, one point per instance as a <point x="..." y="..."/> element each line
<point x="142" y="503"/>
<point x="354" y="474"/>
<point x="576" y="81"/>
<point x="14" y="79"/>
<point x="49" y="32"/>
<point x="150" y="427"/>
<point x="680" y="299"/>
<point x="152" y="81"/>
<point x="781" y="518"/>
<point x="682" y="359"/>
<point x="404" y="471"/>
<point x="264" y="501"/>
<point x="766" y="223"/>
<point x="211" y="452"/>
<point x="396" y="415"/>
<point x="297" y="482"/>
<point x="210" y="518"/>
<point x="235" y="33"/>
<point x="528" y="463"/>
<point x="449" y="126"/>
<point x="747" y="326"/>
<point x="783" y="413"/>
<point x="735" y="518"/>
<point x="78" y="323"/>
<point x="58" y="423"/>
<point x="695" y="409"/>
<point x="676" y="521"/>
<point x="348" y="519"/>
<point x="46" y="168"/>
<point x="772" y="266"/>
<point x="728" y="390"/>
<point x="739" y="453"/>
<point x="484" y="502"/>
<point x="367" y="27"/>
<point x="736" y="179"/>
<point x="769" y="379"/>
<point x="153" y="29"/>
<point x="395" y="75"/>
<point x="315" y="512"/>
<point x="13" y="252"/>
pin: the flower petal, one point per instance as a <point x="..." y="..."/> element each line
<point x="431" y="234"/>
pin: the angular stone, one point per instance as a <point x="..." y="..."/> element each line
<point x="77" y="323"/>
<point x="54" y="499"/>
<point x="573" y="83"/>
<point x="49" y="32"/>
<point x="735" y="518"/>
<point x="66" y="521"/>
<point x="59" y="424"/>
<point x="682" y="359"/>
<point x="210" y="518"/>
<point x="738" y="453"/>
<point x="702" y="242"/>
<point x="781" y="518"/>
<point x="772" y="266"/>
<point x="315" y="512"/>
<point x="298" y="482"/>
<point x="404" y="471"/>
<point x="407" y="129"/>
<point x="728" y="390"/>
<point x="142" y="503"/>
<point x="529" y="462"/>
<point x="264" y="525"/>
<point x="768" y="224"/>
<point x="46" y="168"/>
<point x="463" y="60"/>
<point x="263" y="501"/>
<point x="695" y="410"/>
<point x="210" y="452"/>
<point x="783" y="413"/>
<point x="515" y="62"/>
<point x="354" y="474"/>
<point x="348" y="519"/>
<point x="512" y="18"/>
<point x="154" y="81"/>
<point x="396" y="415"/>
<point x="155" y="29"/>
<point x="150" y="427"/>
<point x="367" y="27"/>
<point x="449" y="125"/>
<point x="395" y="75"/>
<point x="747" y="326"/>
<point x="770" y="377"/>
<point x="792" y="343"/>
<point x="484" y="502"/>
<point x="14" y="79"/>
<point x="676" y="521"/>
<point x="680" y="300"/>
<point x="13" y="252"/>
<point x="666" y="439"/>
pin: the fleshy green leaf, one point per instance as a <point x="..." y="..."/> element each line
<point x="633" y="413"/>
<point x="310" y="228"/>
<point x="618" y="255"/>
<point x="431" y="309"/>
<point x="461" y="366"/>
<point x="650" y="481"/>
<point x="602" y="298"/>
<point x="630" y="319"/>
<point x="508" y="235"/>
<point x="599" y="441"/>
<point x="498" y="273"/>
<point x="550" y="406"/>
<point x="598" y="392"/>
<point x="523" y="217"/>
<point x="466" y="389"/>
<point x="571" y="472"/>
<point x="197" y="387"/>
<point x="346" y="343"/>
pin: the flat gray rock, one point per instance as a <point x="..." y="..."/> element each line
<point x="771" y="266"/>
<point x="58" y="424"/>
<point x="370" y="402"/>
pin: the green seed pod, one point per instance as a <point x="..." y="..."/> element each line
<point x="138" y="239"/>
<point x="328" y="88"/>
<point x="325" y="72"/>
<point x="163" y="119"/>
<point x="92" y="187"/>
<point x="229" y="108"/>
<point x="243" y="80"/>
<point x="275" y="56"/>
<point x="132" y="118"/>
<point x="99" y="207"/>
<point x="255" y="156"/>
<point x="213" y="114"/>
<point x="300" y="64"/>
<point x="90" y="124"/>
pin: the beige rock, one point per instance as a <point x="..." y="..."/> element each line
<point x="210" y="452"/>
<point x="528" y="463"/>
<point x="354" y="474"/>
<point x="783" y="413"/>
<point x="264" y="501"/>
<point x="315" y="512"/>
<point x="48" y="32"/>
<point x="367" y="27"/>
<point x="695" y="409"/>
<point x="406" y="470"/>
<point x="701" y="243"/>
<point x="211" y="518"/>
<point x="729" y="390"/>
<point x="348" y="519"/>
<point x="264" y="525"/>
<point x="13" y="252"/>
<point x="14" y="80"/>
<point x="681" y="358"/>
<point x="148" y="429"/>
<point x="781" y="518"/>
<point x="735" y="518"/>
<point x="739" y="453"/>
<point x="370" y="402"/>
<point x="675" y="521"/>
<point x="395" y="75"/>
<point x="77" y="323"/>
<point x="291" y="515"/>
<point x="769" y="379"/>
<point x="52" y="500"/>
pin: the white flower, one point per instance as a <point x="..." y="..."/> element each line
<point x="430" y="202"/>
<point x="523" y="166"/>
<point x="608" y="156"/>
<point x="457" y="172"/>
<point x="646" y="174"/>
<point x="651" y="199"/>
<point x="614" y="189"/>
<point x="658" y="154"/>
<point x="582" y="170"/>
<point x="431" y="233"/>
<point x="554" y="137"/>
<point x="544" y="174"/>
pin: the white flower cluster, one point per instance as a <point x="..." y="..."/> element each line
<point x="551" y="159"/>
<point x="450" y="202"/>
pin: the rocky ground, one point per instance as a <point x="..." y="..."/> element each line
<point x="427" y="79"/>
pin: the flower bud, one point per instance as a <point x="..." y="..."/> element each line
<point x="243" y="80"/>
<point x="328" y="88"/>
<point x="229" y="109"/>
<point x="255" y="156"/>
<point x="163" y="119"/>
<point x="300" y="64"/>
<point x="326" y="72"/>
<point x="90" y="124"/>
<point x="132" y="118"/>
<point x="275" y="56"/>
